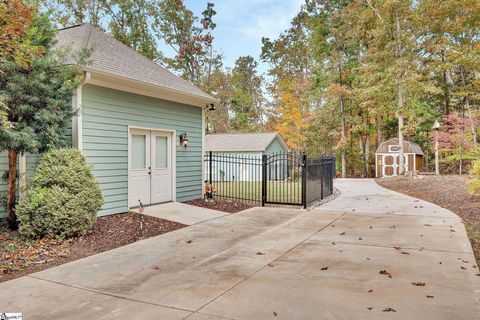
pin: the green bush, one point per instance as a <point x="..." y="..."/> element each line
<point x="63" y="198"/>
<point x="474" y="184"/>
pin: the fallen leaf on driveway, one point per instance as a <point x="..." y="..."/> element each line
<point x="397" y="248"/>
<point x="418" y="284"/>
<point x="403" y="252"/>
<point x="368" y="259"/>
<point x="371" y="290"/>
<point x="428" y="296"/>
<point x="275" y="314"/>
<point x="369" y="308"/>
<point x="463" y="268"/>
<point x="389" y="310"/>
<point x="333" y="243"/>
<point x="451" y="230"/>
<point x="260" y="253"/>
<point x="360" y="238"/>
<point x="478" y="274"/>
<point x="155" y="267"/>
<point x="427" y="225"/>
<point x="324" y="268"/>
<point x="343" y="233"/>
<point x="188" y="241"/>
<point x="270" y="265"/>
<point x="371" y="227"/>
<point x="385" y="272"/>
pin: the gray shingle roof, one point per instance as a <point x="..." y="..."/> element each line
<point x="229" y="142"/>
<point x="113" y="57"/>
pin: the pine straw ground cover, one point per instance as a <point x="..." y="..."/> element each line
<point x="19" y="257"/>
<point x="449" y="192"/>
<point x="224" y="205"/>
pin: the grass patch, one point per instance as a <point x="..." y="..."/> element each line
<point x="277" y="191"/>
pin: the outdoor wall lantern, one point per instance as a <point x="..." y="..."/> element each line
<point x="183" y="140"/>
<point x="211" y="107"/>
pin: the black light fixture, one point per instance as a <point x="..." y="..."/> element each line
<point x="183" y="140"/>
<point x="211" y="107"/>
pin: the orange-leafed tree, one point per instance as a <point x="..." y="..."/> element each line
<point x="15" y="17"/>
<point x="290" y="122"/>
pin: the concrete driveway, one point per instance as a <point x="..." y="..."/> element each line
<point x="269" y="263"/>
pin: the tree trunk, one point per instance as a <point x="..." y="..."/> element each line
<point x="344" y="139"/>
<point x="378" y="136"/>
<point x="367" y="151"/>
<point x="401" y="151"/>
<point x="362" y="152"/>
<point x="472" y="124"/>
<point x="446" y="88"/>
<point x="469" y="111"/>
<point x="398" y="46"/>
<point x="11" y="189"/>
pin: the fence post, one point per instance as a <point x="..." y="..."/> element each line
<point x="304" y="181"/>
<point x="334" y="169"/>
<point x="322" y="176"/>
<point x="264" y="179"/>
<point x="210" y="167"/>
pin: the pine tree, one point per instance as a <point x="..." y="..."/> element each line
<point x="38" y="97"/>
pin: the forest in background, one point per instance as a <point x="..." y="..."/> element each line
<point x="347" y="74"/>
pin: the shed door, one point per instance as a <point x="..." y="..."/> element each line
<point x="389" y="165"/>
<point x="139" y="168"/>
<point x="161" y="177"/>
<point x="150" y="167"/>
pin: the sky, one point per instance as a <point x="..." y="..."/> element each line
<point x="241" y="24"/>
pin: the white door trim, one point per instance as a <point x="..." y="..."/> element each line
<point x="173" y="166"/>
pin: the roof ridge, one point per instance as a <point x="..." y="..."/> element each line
<point x="72" y="26"/>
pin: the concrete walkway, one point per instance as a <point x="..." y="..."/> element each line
<point x="182" y="213"/>
<point x="271" y="263"/>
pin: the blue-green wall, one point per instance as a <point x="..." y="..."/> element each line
<point x="107" y="113"/>
<point x="275" y="147"/>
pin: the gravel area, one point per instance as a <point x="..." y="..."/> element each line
<point x="19" y="257"/>
<point x="450" y="192"/>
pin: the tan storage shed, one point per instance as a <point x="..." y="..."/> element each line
<point x="387" y="162"/>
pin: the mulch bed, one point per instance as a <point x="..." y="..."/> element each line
<point x="449" y="192"/>
<point x="224" y="205"/>
<point x="19" y="257"/>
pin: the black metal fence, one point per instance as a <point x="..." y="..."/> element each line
<point x="278" y="178"/>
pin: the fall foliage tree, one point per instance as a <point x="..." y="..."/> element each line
<point x="38" y="95"/>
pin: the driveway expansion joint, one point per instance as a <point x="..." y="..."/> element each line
<point x="108" y="294"/>
<point x="388" y="246"/>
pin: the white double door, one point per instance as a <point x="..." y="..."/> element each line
<point x="150" y="167"/>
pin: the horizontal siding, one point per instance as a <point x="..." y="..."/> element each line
<point x="275" y="147"/>
<point x="107" y="113"/>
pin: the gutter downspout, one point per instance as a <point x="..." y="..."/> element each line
<point x="77" y="121"/>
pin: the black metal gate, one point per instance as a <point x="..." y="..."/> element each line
<point x="283" y="179"/>
<point x="279" y="178"/>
